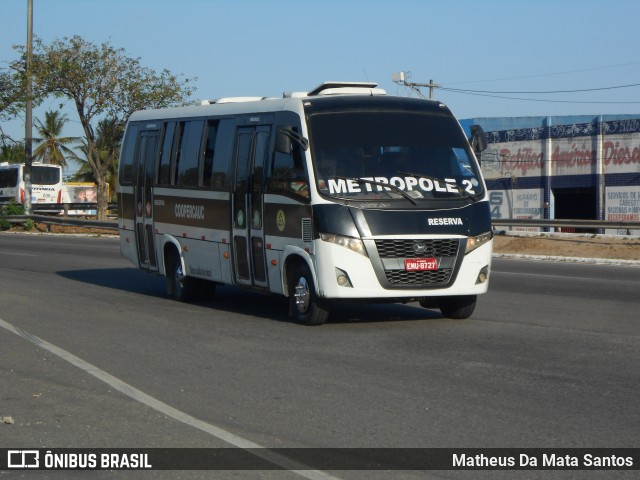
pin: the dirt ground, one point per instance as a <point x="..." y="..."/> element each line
<point x="60" y="229"/>
<point x="587" y="246"/>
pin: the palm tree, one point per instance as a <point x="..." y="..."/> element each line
<point x="109" y="134"/>
<point x="52" y="147"/>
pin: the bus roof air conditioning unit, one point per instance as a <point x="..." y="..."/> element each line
<point x="347" y="88"/>
<point x="238" y="99"/>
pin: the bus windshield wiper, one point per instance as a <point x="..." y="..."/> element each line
<point x="373" y="182"/>
<point x="461" y="190"/>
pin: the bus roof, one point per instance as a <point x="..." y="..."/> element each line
<point x="332" y="94"/>
<point x="226" y="107"/>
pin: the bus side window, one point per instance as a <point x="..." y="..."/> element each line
<point x="222" y="155"/>
<point x="211" y="132"/>
<point x="288" y="173"/>
<point x="126" y="163"/>
<point x="176" y="151"/>
<point x="189" y="154"/>
<point x="164" y="168"/>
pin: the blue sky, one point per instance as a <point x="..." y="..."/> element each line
<point x="241" y="48"/>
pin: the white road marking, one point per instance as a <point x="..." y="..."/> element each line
<point x="168" y="410"/>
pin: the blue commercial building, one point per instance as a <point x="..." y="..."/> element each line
<point x="579" y="167"/>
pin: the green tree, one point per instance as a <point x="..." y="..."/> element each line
<point x="12" y="152"/>
<point x="52" y="147"/>
<point x="109" y="135"/>
<point x="13" y="90"/>
<point x="11" y="103"/>
<point x="102" y="82"/>
<point x="11" y="93"/>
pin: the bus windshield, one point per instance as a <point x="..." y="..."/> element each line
<point x="419" y="155"/>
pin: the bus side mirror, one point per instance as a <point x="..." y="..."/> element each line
<point x="286" y="135"/>
<point x="283" y="141"/>
<point x="478" y="140"/>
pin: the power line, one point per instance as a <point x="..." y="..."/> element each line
<point x="460" y="90"/>
<point x="541" y="99"/>
<point x="401" y="78"/>
<point x="538" y="75"/>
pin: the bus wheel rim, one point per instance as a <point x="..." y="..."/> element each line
<point x="180" y="277"/>
<point x="302" y="295"/>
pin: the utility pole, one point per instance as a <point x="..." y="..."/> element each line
<point x="28" y="125"/>
<point x="431" y="86"/>
<point x="401" y="78"/>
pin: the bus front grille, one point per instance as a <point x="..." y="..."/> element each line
<point x="419" y="279"/>
<point x="394" y="252"/>
<point x="405" y="248"/>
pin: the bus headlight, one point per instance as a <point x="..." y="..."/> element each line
<point x="478" y="241"/>
<point x="353" y="244"/>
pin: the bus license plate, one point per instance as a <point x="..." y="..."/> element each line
<point x="413" y="264"/>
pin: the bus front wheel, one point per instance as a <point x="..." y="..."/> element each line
<point x="459" y="307"/>
<point x="179" y="286"/>
<point x="305" y="307"/>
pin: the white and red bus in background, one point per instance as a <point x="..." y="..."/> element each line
<point x="46" y="183"/>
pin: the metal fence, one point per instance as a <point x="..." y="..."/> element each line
<point x="505" y="222"/>
<point x="568" y="223"/>
<point x="64" y="221"/>
<point x="67" y="207"/>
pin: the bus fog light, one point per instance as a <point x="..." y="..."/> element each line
<point x="483" y="276"/>
<point x="343" y="279"/>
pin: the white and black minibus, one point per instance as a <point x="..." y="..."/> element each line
<point x="339" y="194"/>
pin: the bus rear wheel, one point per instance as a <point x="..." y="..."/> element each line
<point x="459" y="307"/>
<point x="305" y="306"/>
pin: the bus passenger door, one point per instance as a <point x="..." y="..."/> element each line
<point x="248" y="228"/>
<point x="145" y="165"/>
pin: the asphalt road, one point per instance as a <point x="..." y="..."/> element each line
<point x="550" y="359"/>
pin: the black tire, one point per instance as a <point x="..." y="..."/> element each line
<point x="430" y="302"/>
<point x="206" y="289"/>
<point x="304" y="305"/>
<point x="179" y="286"/>
<point x="458" y="308"/>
